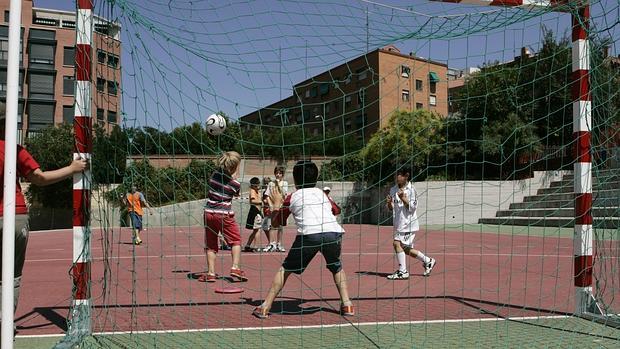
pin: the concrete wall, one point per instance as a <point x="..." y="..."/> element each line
<point x="440" y="202"/>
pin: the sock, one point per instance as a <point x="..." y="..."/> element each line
<point x="422" y="258"/>
<point x="402" y="261"/>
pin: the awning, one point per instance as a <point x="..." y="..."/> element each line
<point x="433" y="77"/>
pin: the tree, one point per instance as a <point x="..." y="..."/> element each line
<point x="53" y="148"/>
<point x="410" y="137"/>
<point x="109" y="155"/>
<point x="530" y="93"/>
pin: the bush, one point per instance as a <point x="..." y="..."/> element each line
<point x="165" y="186"/>
<point x="53" y="148"/>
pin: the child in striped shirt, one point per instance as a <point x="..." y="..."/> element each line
<point x="220" y="218"/>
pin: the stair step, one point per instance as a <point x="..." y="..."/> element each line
<point x="570" y="187"/>
<point x="557" y="212"/>
<point x="607" y="223"/>
<point x="596" y="202"/>
<point x="608" y="173"/>
<point x="613" y="194"/>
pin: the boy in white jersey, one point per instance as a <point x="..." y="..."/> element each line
<point x="317" y="231"/>
<point x="403" y="202"/>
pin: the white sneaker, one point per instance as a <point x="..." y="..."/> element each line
<point x="399" y="275"/>
<point x="279" y="248"/>
<point x="270" y="248"/>
<point x="428" y="267"/>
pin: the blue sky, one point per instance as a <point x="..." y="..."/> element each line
<point x="185" y="59"/>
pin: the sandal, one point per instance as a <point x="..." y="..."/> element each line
<point x="261" y="312"/>
<point x="206" y="277"/>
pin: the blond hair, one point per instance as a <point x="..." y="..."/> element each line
<point x="229" y="161"/>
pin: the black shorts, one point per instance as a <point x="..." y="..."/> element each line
<point x="305" y="248"/>
<point x="251" y="220"/>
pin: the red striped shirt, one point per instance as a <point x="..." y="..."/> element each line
<point x="222" y="189"/>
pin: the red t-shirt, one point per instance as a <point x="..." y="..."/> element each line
<point x="25" y="165"/>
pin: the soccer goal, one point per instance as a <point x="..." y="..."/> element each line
<point x="492" y="125"/>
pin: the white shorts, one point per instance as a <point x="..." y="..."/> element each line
<point x="405" y="238"/>
<point x="258" y="222"/>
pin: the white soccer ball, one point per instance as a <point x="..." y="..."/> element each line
<point x="216" y="124"/>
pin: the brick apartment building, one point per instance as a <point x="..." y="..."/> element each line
<point x="47" y="68"/>
<point x="357" y="97"/>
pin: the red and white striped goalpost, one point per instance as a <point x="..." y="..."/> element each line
<point x="582" y="126"/>
<point x="82" y="126"/>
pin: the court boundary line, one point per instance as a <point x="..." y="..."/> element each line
<point x="348" y="324"/>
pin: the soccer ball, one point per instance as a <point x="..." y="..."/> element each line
<point x="216" y="124"/>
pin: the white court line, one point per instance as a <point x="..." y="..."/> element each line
<point x="345" y="254"/>
<point x="349" y="324"/>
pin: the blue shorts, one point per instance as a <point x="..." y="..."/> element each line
<point x="136" y="220"/>
<point x="305" y="248"/>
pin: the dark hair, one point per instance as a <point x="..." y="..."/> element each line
<point x="403" y="169"/>
<point x="305" y="174"/>
<point x="254" y="181"/>
<point x="279" y="168"/>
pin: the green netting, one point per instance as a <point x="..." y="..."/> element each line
<point x="476" y="101"/>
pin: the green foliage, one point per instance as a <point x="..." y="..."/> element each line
<point x="53" y="148"/>
<point x="410" y="137"/>
<point x="109" y="155"/>
<point x="349" y="167"/>
<point x="510" y="110"/>
<point x="165" y="186"/>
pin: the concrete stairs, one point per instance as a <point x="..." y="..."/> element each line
<point x="554" y="206"/>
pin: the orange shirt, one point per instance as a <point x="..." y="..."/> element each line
<point x="134" y="202"/>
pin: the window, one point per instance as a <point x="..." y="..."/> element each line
<point x="40" y="34"/>
<point x="41" y="55"/>
<point x="419" y="105"/>
<point x="100" y="113"/>
<point x="68" y="56"/>
<point x="40" y="115"/>
<point x="4" y="45"/>
<point x="68" y="85"/>
<point x="101" y="56"/>
<point x="6" y="16"/>
<point x="347" y="101"/>
<point x="326" y="108"/>
<point x="112" y="117"/>
<point x="432" y="100"/>
<point x="41" y="86"/>
<point x="67" y="114"/>
<point x="362" y="74"/>
<point x="347" y="79"/>
<point x="418" y="85"/>
<point x="324" y="89"/>
<point x="433" y="87"/>
<point x="405" y="71"/>
<point x="112" y="87"/>
<point x="100" y="84"/>
<point x="112" y="61"/>
<point x="3" y="87"/>
<point x="405" y="95"/>
<point x="3" y="83"/>
<point x="313" y="91"/>
<point x="307" y="93"/>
